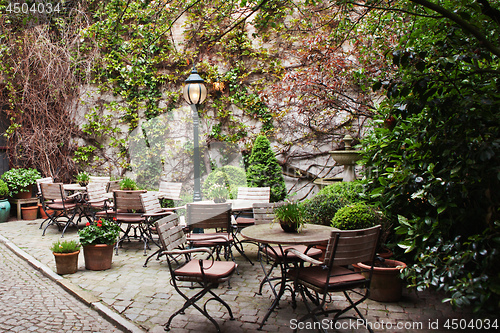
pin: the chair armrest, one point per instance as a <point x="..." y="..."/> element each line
<point x="224" y="237"/>
<point x="304" y="257"/>
<point x="162" y="213"/>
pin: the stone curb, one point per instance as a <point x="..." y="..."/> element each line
<point x="82" y="295"/>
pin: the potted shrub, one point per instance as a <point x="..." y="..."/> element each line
<point x="386" y="284"/>
<point x="98" y="241"/>
<point x="290" y="216"/>
<point x="20" y="182"/>
<point x="4" y="203"/>
<point x="82" y="178"/>
<point x="66" y="256"/>
<point x="128" y="184"/>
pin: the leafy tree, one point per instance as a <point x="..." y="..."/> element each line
<point x="263" y="169"/>
<point x="434" y="153"/>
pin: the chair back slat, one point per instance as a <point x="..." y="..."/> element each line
<point x="52" y="191"/>
<point x="263" y="212"/>
<point x="150" y="203"/>
<point x="208" y="216"/>
<point x="112" y="185"/>
<point x="170" y="190"/>
<point x="255" y="194"/>
<point x="95" y="191"/>
<point x="43" y="180"/>
<point x="128" y="200"/>
<point x="170" y="232"/>
<point x="99" y="180"/>
<point x="348" y="247"/>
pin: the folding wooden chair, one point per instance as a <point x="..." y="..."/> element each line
<point x="335" y="274"/>
<point x="206" y="274"/>
<point x="57" y="205"/>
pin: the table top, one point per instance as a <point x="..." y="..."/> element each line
<point x="74" y="187"/>
<point x="310" y="234"/>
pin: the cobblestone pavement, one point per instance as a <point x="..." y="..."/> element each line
<point x="31" y="302"/>
<point x="144" y="297"/>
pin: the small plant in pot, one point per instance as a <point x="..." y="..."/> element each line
<point x="218" y="193"/>
<point x="20" y="182"/>
<point x="4" y="203"/>
<point x="82" y="178"/>
<point x="128" y="184"/>
<point x="66" y="256"/>
<point x="290" y="216"/>
<point x="98" y="241"/>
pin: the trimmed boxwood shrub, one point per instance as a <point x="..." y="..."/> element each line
<point x="321" y="208"/>
<point x="263" y="169"/>
<point x="356" y="216"/>
<point x="230" y="176"/>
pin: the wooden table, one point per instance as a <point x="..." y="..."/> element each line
<point x="310" y="234"/>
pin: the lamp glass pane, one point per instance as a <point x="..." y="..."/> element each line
<point x="195" y="93"/>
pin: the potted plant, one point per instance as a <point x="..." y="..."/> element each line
<point x="4" y="203"/>
<point x="218" y="193"/>
<point x="290" y="216"/>
<point x="128" y="184"/>
<point x="66" y="256"/>
<point x="20" y="182"/>
<point x="82" y="178"/>
<point x="98" y="240"/>
<point x="386" y="284"/>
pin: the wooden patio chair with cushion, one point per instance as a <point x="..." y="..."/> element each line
<point x="216" y="217"/>
<point x="97" y="204"/>
<point x="152" y="212"/>
<point x="103" y="181"/>
<point x="58" y="206"/>
<point x="39" y="194"/>
<point x="256" y="195"/>
<point x="128" y="210"/>
<point x="335" y="274"/>
<point x="191" y="273"/>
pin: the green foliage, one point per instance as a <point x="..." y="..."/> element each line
<point x="356" y="216"/>
<point x="65" y="246"/>
<point x="128" y="184"/>
<point x="321" y="208"/>
<point x="433" y="155"/>
<point x="291" y="213"/>
<point x="82" y="178"/>
<point x="263" y="169"/>
<point x="4" y="189"/>
<point x="101" y="231"/>
<point x="217" y="191"/>
<point x="18" y="179"/>
<point x="229" y="177"/>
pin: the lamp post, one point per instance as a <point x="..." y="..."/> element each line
<point x="195" y="93"/>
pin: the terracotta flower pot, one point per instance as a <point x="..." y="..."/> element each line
<point x="66" y="263"/>
<point x="386" y="285"/>
<point x="25" y="195"/>
<point x="98" y="257"/>
<point x="29" y="213"/>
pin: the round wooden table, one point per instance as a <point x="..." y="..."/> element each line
<point x="309" y="235"/>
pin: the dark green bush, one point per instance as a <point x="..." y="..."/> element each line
<point x="321" y="208"/>
<point x="263" y="169"/>
<point x="356" y="216"/>
<point x="229" y="176"/>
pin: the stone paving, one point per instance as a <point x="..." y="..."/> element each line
<point x="144" y="298"/>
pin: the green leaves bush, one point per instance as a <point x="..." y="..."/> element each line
<point x="356" y="216"/>
<point x="231" y="177"/>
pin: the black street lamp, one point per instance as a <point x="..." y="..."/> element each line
<point x="195" y="93"/>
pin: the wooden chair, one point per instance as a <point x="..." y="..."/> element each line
<point x="205" y="274"/>
<point x="335" y="274"/>
<point x="99" y="180"/>
<point x="97" y="204"/>
<point x="57" y="205"/>
<point x="39" y="194"/>
<point x="211" y="216"/>
<point x="112" y="185"/>
<point x="254" y="194"/>
<point x="170" y="190"/>
<point x="128" y="210"/>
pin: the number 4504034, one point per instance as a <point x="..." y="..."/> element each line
<point x="35" y="8"/>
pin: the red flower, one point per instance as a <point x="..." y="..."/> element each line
<point x="87" y="224"/>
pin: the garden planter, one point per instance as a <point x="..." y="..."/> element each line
<point x="4" y="210"/>
<point x="386" y="285"/>
<point x="290" y="227"/>
<point x="66" y="263"/>
<point x="43" y="215"/>
<point x="98" y="257"/>
<point x="25" y="195"/>
<point x="29" y="212"/>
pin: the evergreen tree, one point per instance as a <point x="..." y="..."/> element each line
<point x="263" y="169"/>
